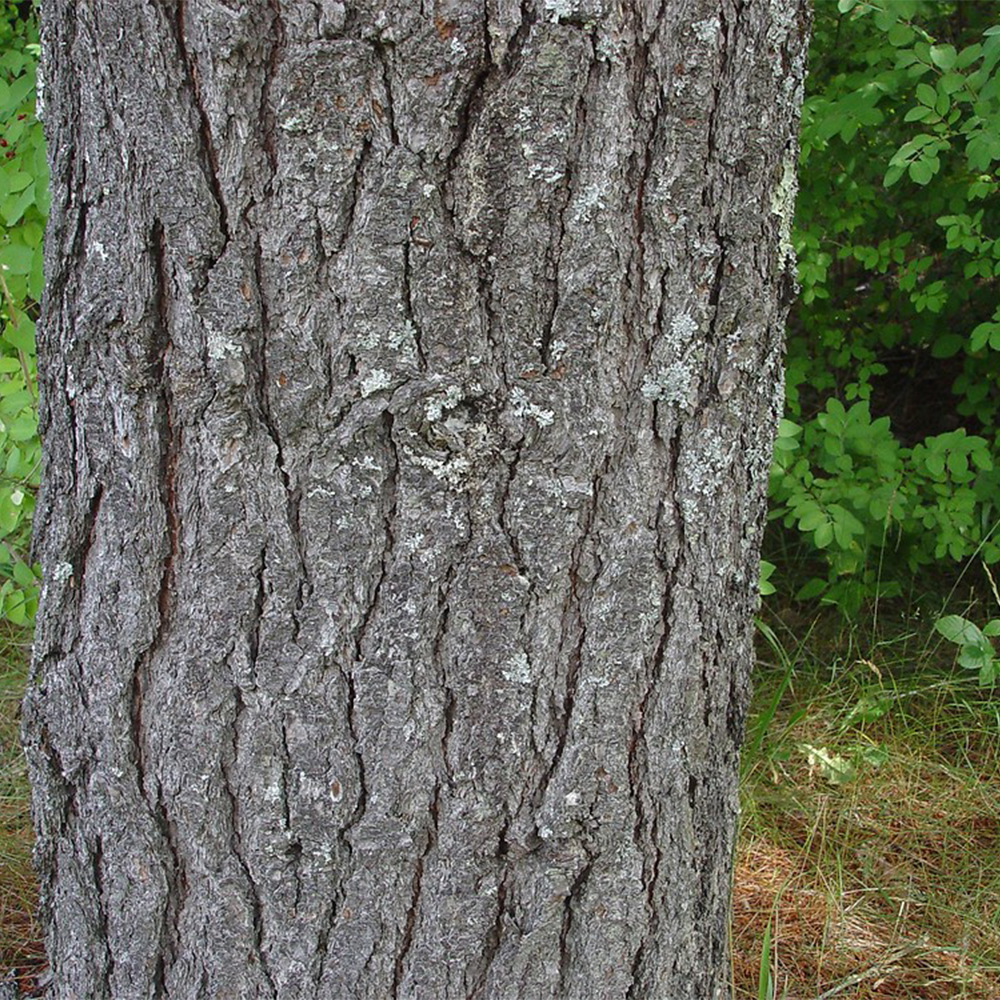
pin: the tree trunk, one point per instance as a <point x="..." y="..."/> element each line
<point x="409" y="373"/>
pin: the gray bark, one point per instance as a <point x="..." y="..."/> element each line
<point x="409" y="373"/>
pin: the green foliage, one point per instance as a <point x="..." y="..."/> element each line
<point x="975" y="648"/>
<point x="765" y="983"/>
<point x="23" y="207"/>
<point x="886" y="461"/>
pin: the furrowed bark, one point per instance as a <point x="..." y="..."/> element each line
<point x="409" y="374"/>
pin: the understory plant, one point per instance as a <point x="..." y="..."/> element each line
<point x="886" y="460"/>
<point x="24" y="201"/>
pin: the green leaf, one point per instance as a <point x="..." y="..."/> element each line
<point x="14" y="206"/>
<point x="812" y="519"/>
<point x="874" y="756"/>
<point x="943" y="56"/>
<point x="921" y="171"/>
<point x="764" y="585"/>
<point x="812" y="589"/>
<point x="16" y="259"/>
<point x="765" y="985"/>
<point x="901" y="34"/>
<point x="892" y="175"/>
<point x="21" y="335"/>
<point x="960" y="630"/>
<point x="951" y="83"/>
<point x="23" y="575"/>
<point x="958" y="463"/>
<point x="947" y="345"/>
<point x="823" y="535"/>
<point x="969" y="55"/>
<point x="975" y="657"/>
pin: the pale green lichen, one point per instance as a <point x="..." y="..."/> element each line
<point x="448" y="400"/>
<point x="704" y="471"/>
<point x="783" y="206"/>
<point x="557" y="9"/>
<point x="523" y="407"/>
<point x="517" y="669"/>
<point x="453" y="470"/>
<point x="706" y="31"/>
<point x="405" y="336"/>
<point x="375" y="380"/>
<point x="219" y="347"/>
<point x="673" y="382"/>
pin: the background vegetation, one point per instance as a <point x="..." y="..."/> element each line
<point x="886" y="464"/>
<point x="869" y="858"/>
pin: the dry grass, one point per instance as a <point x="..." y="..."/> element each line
<point x="20" y="936"/>
<point x="882" y="884"/>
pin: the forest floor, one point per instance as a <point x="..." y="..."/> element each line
<point x="20" y="936"/>
<point x="870" y="834"/>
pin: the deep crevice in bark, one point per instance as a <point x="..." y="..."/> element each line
<point x="258" y="955"/>
<point x="211" y="160"/>
<point x="265" y="118"/>
<point x="383" y="52"/>
<point x="575" y="891"/>
<point x="89" y="533"/>
<point x="413" y="910"/>
<point x="408" y="313"/>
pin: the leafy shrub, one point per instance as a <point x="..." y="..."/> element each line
<point x="886" y="461"/>
<point x="23" y="207"/>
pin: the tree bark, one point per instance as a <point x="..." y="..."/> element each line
<point x="409" y="374"/>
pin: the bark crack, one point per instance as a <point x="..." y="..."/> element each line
<point x="646" y="828"/>
<point x="175" y="902"/>
<point x="265" y="117"/>
<point x="211" y="160"/>
<point x="89" y="533"/>
<point x="383" y="53"/>
<point x="169" y="451"/>
<point x="357" y="190"/>
<point x="564" y="714"/>
<point x="448" y="714"/>
<point x="503" y="519"/>
<point x="391" y="492"/>
<point x="253" y="895"/>
<point x="491" y="946"/>
<point x="101" y="902"/>
<point x="559" y="210"/>
<point x="408" y="311"/>
<point x="293" y="493"/>
<point x="575" y="890"/>
<point x="413" y="911"/>
<point x="257" y="613"/>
